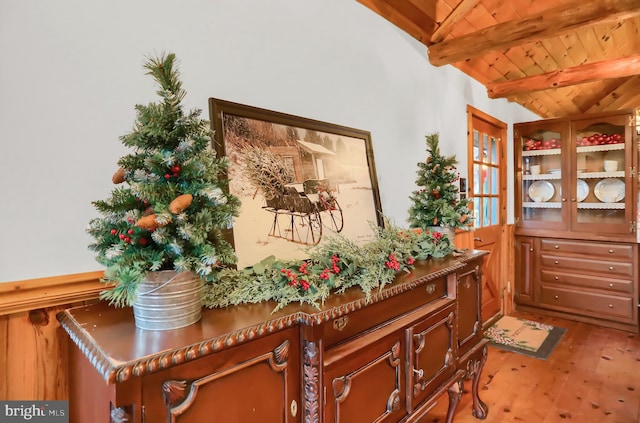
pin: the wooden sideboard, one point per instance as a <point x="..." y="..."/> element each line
<point x="383" y="359"/>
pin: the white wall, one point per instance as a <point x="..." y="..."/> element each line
<point x="71" y="73"/>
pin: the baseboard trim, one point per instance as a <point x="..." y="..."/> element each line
<point x="16" y="297"/>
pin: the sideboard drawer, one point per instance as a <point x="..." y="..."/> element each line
<point x="341" y="328"/>
<point x="548" y="261"/>
<point x="615" y="251"/>
<point x="561" y="276"/>
<point x="590" y="302"/>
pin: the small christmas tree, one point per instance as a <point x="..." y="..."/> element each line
<point x="171" y="213"/>
<point x="437" y="202"/>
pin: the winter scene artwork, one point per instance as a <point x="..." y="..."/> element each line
<point x="300" y="181"/>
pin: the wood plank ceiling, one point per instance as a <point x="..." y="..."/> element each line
<point x="555" y="57"/>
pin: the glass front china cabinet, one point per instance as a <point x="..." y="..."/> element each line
<point x="576" y="242"/>
<point x="577" y="176"/>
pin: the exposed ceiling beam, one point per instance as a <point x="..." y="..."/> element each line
<point x="550" y="23"/>
<point x="420" y="26"/>
<point x="454" y="17"/>
<point x="609" y="69"/>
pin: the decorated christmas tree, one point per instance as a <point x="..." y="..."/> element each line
<point x="436" y="203"/>
<point x="170" y="207"/>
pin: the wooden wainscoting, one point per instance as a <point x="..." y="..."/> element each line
<point x="33" y="346"/>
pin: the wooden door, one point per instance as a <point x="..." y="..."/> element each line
<point x="487" y="180"/>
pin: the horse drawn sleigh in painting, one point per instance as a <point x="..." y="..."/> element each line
<point x="300" y="211"/>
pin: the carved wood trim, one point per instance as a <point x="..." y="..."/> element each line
<point x="311" y="380"/>
<point x="120" y="372"/>
<point x="119" y="415"/>
<point x="31" y="294"/>
<point x="174" y="392"/>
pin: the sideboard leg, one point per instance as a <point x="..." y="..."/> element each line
<point x="474" y="369"/>
<point x="455" y="393"/>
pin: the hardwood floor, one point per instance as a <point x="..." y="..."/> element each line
<point x="592" y="376"/>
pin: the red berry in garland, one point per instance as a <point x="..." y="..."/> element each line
<point x="175" y="169"/>
<point x="114" y="231"/>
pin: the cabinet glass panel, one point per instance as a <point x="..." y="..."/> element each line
<point x="600" y="173"/>
<point x="542" y="176"/>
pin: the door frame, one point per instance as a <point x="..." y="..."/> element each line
<point x="506" y="234"/>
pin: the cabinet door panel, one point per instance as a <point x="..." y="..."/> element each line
<point x="524" y="270"/>
<point x="469" y="307"/>
<point x="366" y="384"/>
<point x="432" y="350"/>
<point x="236" y="385"/>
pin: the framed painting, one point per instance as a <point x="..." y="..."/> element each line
<point x="300" y="181"/>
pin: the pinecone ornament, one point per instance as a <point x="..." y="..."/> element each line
<point x="118" y="177"/>
<point x="180" y="203"/>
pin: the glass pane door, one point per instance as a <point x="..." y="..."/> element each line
<point x="601" y="175"/>
<point x="486" y="179"/>
<point x="542" y="176"/>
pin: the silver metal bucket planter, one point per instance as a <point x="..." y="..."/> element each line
<point x="168" y="300"/>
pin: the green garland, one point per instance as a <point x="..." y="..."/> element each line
<point x="331" y="268"/>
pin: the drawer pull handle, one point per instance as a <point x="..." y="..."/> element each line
<point x="610" y="251"/>
<point x="431" y="288"/>
<point x="610" y="305"/>
<point x="556" y="297"/>
<point x="610" y="267"/>
<point x="556" y="247"/>
<point x="419" y="373"/>
<point x="531" y="249"/>
<point x="557" y="262"/>
<point x="556" y="278"/>
<point x="339" y="323"/>
<point x="610" y="285"/>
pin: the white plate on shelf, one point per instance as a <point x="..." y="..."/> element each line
<point x="554" y="171"/>
<point x="541" y="191"/>
<point x="582" y="190"/>
<point x="610" y="190"/>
